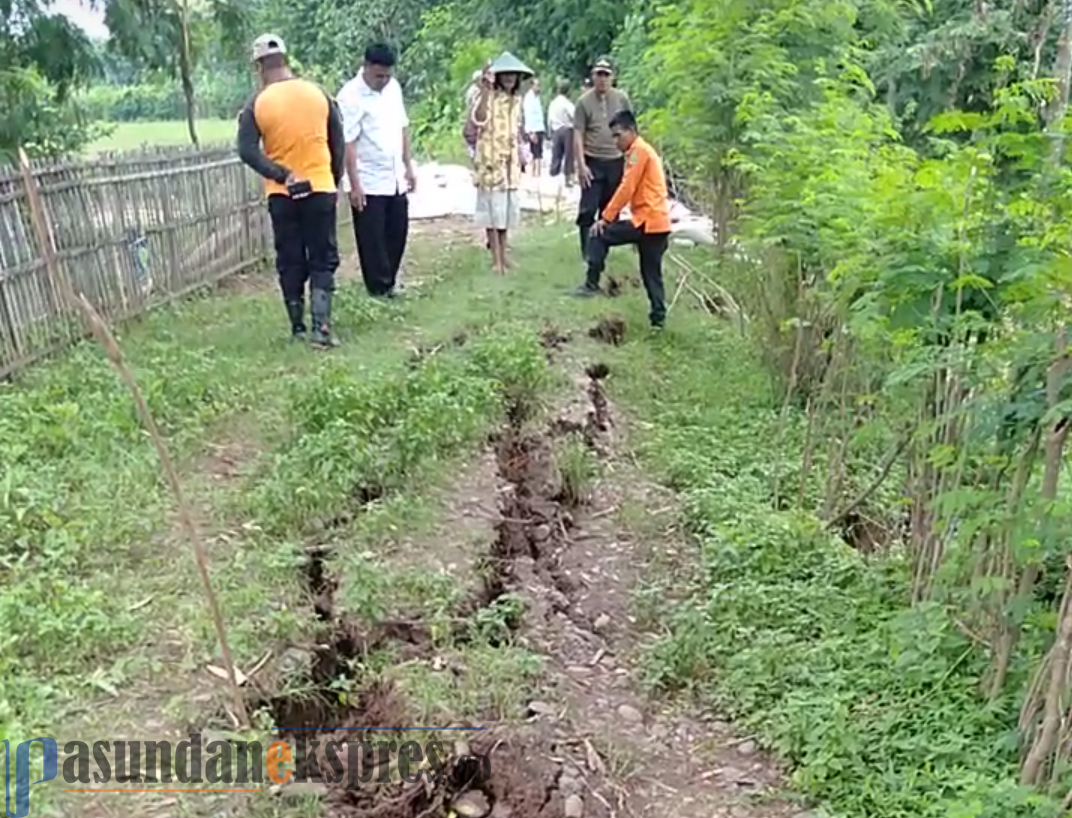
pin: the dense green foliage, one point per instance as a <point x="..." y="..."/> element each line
<point x="799" y="637"/>
<point x="43" y="58"/>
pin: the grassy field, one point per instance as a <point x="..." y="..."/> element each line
<point x="281" y="450"/>
<point x="128" y="136"/>
<point x="359" y="508"/>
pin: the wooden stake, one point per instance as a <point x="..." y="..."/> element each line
<point x="96" y="324"/>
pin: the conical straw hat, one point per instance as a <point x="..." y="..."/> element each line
<point x="507" y="63"/>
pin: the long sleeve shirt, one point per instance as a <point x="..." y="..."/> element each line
<point x="643" y="188"/>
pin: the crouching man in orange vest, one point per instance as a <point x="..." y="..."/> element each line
<point x="643" y="188"/>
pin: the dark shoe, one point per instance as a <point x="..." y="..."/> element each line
<point x="321" y="310"/>
<point x="296" y="314"/>
<point x="586" y="291"/>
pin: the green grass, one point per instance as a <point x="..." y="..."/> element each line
<point x="103" y="603"/>
<point x="786" y="628"/>
<point x="793" y="633"/>
<point x="129" y="136"/>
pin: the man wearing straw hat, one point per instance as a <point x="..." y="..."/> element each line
<point x="301" y="162"/>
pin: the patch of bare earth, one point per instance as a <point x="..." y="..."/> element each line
<point x="593" y="744"/>
<point x="621" y="752"/>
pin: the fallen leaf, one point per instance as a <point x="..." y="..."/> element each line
<point x="240" y="677"/>
<point x="595" y="761"/>
<point x="472" y="804"/>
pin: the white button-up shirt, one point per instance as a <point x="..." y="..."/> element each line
<point x="374" y="121"/>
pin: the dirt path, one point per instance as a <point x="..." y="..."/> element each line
<point x="579" y="565"/>
<point x="592" y="743"/>
<point x="553" y="511"/>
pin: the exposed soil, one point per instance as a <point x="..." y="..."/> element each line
<point x="596" y="746"/>
<point x="609" y="331"/>
<point x="553" y="340"/>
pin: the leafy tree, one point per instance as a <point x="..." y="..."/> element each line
<point x="171" y="37"/>
<point x="941" y="56"/>
<point x="566" y="35"/>
<point x="703" y="58"/>
<point x="43" y="58"/>
<point x="329" y="36"/>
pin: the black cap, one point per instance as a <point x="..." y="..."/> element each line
<point x="603" y="64"/>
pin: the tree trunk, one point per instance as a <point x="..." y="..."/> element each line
<point x="1009" y="627"/>
<point x="186" y="73"/>
<point x="1062" y="73"/>
<point x="1046" y="738"/>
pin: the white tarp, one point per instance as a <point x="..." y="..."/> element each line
<point x="447" y="190"/>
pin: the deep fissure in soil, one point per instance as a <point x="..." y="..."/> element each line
<point x="532" y="531"/>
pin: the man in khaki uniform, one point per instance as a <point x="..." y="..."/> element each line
<point x="600" y="163"/>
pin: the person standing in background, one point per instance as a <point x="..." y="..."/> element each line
<point x="600" y="163"/>
<point x="301" y="161"/>
<point x="473" y="91"/>
<point x="379" y="169"/>
<point x="535" y="125"/>
<point x="560" y="126"/>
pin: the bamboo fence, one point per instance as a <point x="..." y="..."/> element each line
<point x="128" y="231"/>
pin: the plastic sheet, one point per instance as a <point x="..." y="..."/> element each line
<point x="448" y="190"/>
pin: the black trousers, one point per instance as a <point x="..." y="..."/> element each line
<point x="306" y="242"/>
<point x="562" y="152"/>
<point x="606" y="176"/>
<point x="381" y="231"/>
<point x="651" y="247"/>
<point x="537" y="146"/>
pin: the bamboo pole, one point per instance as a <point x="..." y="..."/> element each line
<point x="99" y="328"/>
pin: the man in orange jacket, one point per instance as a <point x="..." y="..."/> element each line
<point x="643" y="188"/>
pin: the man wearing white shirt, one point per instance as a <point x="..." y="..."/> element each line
<point x="379" y="168"/>
<point x="560" y="123"/>
<point x="534" y="125"/>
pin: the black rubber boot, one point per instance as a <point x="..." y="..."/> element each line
<point x="321" y="310"/>
<point x="296" y="313"/>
